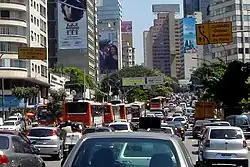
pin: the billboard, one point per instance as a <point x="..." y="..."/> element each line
<point x="72" y="24"/>
<point x="126" y="27"/>
<point x="189" y="35"/>
<point x="108" y="53"/>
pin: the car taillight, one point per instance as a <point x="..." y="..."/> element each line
<point x="244" y="143"/>
<point x="53" y="133"/>
<point x="207" y="143"/>
<point x="28" y="133"/>
<point x="4" y="159"/>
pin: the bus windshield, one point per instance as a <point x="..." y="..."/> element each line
<point x="77" y="107"/>
<point x="155" y="100"/>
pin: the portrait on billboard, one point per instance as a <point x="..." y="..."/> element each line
<point x="126" y="27"/>
<point x="72" y="24"/>
<point x="189" y="34"/>
<point x="108" y="56"/>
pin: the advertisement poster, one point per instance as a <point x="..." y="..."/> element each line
<point x="189" y="35"/>
<point x="72" y="24"/>
<point x="126" y="27"/>
<point x="108" y="53"/>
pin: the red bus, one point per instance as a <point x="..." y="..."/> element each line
<point x="108" y="114"/>
<point x="119" y="111"/>
<point x="138" y="109"/>
<point x="158" y="102"/>
<point x="88" y="112"/>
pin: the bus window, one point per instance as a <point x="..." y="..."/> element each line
<point x="106" y="110"/>
<point x="78" y="108"/>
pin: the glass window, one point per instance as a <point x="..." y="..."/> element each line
<point x="41" y="132"/>
<point x="31" y="17"/>
<point x="18" y="146"/>
<point x="119" y="127"/>
<point x="225" y="134"/>
<point x="138" y="152"/>
<point x="4" y="142"/>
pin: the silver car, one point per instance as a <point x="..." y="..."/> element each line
<point x="223" y="144"/>
<point x="15" y="152"/>
<point x="48" y="140"/>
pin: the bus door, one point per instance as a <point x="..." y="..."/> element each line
<point x="128" y="112"/>
<point x="122" y="111"/>
<point x="116" y="111"/>
<point x="135" y="111"/>
<point x="97" y="111"/>
<point x="108" y="114"/>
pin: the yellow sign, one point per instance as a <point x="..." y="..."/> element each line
<point x="204" y="110"/>
<point x="202" y="34"/>
<point x="31" y="53"/>
<point x="214" y="33"/>
<point x="133" y="81"/>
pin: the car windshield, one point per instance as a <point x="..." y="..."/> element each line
<point x="135" y="120"/>
<point x="108" y="152"/>
<point x="169" y="119"/>
<point x="4" y="142"/>
<point x="175" y="123"/>
<point x="119" y="127"/>
<point x="179" y="119"/>
<point x="13" y="118"/>
<point x="241" y="121"/>
<point x="9" y="123"/>
<point x="225" y="134"/>
<point x="201" y="122"/>
<point x="41" y="132"/>
<point x="103" y="130"/>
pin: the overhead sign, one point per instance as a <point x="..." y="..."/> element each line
<point x="133" y="81"/>
<point x="156" y="80"/>
<point x="214" y="33"/>
<point x="31" y="53"/>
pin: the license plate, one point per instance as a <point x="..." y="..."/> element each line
<point x="226" y="155"/>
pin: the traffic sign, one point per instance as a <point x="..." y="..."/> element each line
<point x="31" y="53"/>
<point x="156" y="80"/>
<point x="202" y="34"/>
<point x="220" y="32"/>
<point x="214" y="33"/>
<point x="134" y="81"/>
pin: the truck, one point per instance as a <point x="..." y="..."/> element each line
<point x="205" y="110"/>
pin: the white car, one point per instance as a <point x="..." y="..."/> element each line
<point x="11" y="125"/>
<point x="121" y="126"/>
<point x="168" y="130"/>
<point x="14" y="118"/>
<point x="121" y="120"/>
<point x="150" y="115"/>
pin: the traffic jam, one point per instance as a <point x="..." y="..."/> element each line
<point x="138" y="134"/>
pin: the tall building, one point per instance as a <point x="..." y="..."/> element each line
<point x="238" y="12"/>
<point x="128" y="51"/>
<point x="110" y="38"/>
<point x="163" y="48"/>
<point x="147" y="49"/>
<point x="73" y="40"/>
<point x="191" y="6"/>
<point x="179" y="47"/>
<point x="22" y="23"/>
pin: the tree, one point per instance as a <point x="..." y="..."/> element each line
<point x="113" y="82"/>
<point x="209" y="76"/>
<point x="56" y="100"/>
<point x="25" y="93"/>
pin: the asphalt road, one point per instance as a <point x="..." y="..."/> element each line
<point x="190" y="143"/>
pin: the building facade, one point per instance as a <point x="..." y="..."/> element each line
<point x="110" y="38"/>
<point x="147" y="49"/>
<point x="23" y="24"/>
<point x="238" y="12"/>
<point x="74" y="43"/>
<point x="128" y="55"/>
<point x="191" y="6"/>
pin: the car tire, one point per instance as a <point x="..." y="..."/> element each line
<point x="58" y="156"/>
<point x="244" y="163"/>
<point x="183" y="138"/>
<point x="206" y="164"/>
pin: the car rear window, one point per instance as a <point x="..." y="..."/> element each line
<point x="169" y="119"/>
<point x="9" y="123"/>
<point x="179" y="119"/>
<point x="119" y="127"/>
<point x="4" y="142"/>
<point x="41" y="132"/>
<point x="225" y="134"/>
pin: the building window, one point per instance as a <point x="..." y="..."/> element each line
<point x="32" y="38"/>
<point x="38" y="38"/>
<point x="38" y="69"/>
<point x="42" y="11"/>
<point x="31" y="3"/>
<point x="31" y="18"/>
<point x="35" y="20"/>
<point x="32" y="67"/>
<point x="35" y="36"/>
<point x="35" y="68"/>
<point x="34" y="4"/>
<point x="5" y="13"/>
<point x="37" y="7"/>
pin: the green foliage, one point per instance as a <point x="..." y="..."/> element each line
<point x="113" y="81"/>
<point x="209" y="75"/>
<point x="56" y="100"/>
<point x="25" y="92"/>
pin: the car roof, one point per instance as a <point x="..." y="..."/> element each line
<point x="119" y="123"/>
<point x="11" y="121"/>
<point x="14" y="116"/>
<point x="223" y="127"/>
<point x="137" y="135"/>
<point x="179" y="117"/>
<point x="43" y="127"/>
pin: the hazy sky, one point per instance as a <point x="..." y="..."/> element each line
<point x="140" y="12"/>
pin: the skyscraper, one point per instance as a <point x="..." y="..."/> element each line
<point x="73" y="40"/>
<point x="110" y="39"/>
<point x="191" y="6"/>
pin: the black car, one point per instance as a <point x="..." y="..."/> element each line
<point x="179" y="129"/>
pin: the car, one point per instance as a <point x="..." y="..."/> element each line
<point x="176" y="115"/>
<point x="169" y="119"/>
<point x="121" y="120"/>
<point x="16" y="152"/>
<point x="121" y="126"/>
<point x="14" y="118"/>
<point x="148" y="149"/>
<point x="17" y="133"/>
<point x="168" y="130"/>
<point x="191" y="118"/>
<point x="223" y="145"/>
<point x="49" y="140"/>
<point x="150" y="115"/>
<point x="11" y="125"/>
<point x="183" y="121"/>
<point x="197" y="128"/>
<point x="158" y="114"/>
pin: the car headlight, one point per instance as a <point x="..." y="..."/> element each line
<point x="182" y="129"/>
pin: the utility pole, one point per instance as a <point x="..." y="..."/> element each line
<point x="3" y="99"/>
<point x="84" y="84"/>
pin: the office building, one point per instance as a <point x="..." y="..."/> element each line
<point x="22" y="23"/>
<point x="165" y="51"/>
<point x="179" y="47"/>
<point x="232" y="11"/>
<point x="147" y="49"/>
<point x="74" y="43"/>
<point x="109" y="27"/>
<point x="191" y="6"/>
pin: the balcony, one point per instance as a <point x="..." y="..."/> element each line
<point x="12" y="5"/>
<point x="13" y="38"/>
<point x="13" y="21"/>
<point x="13" y="68"/>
